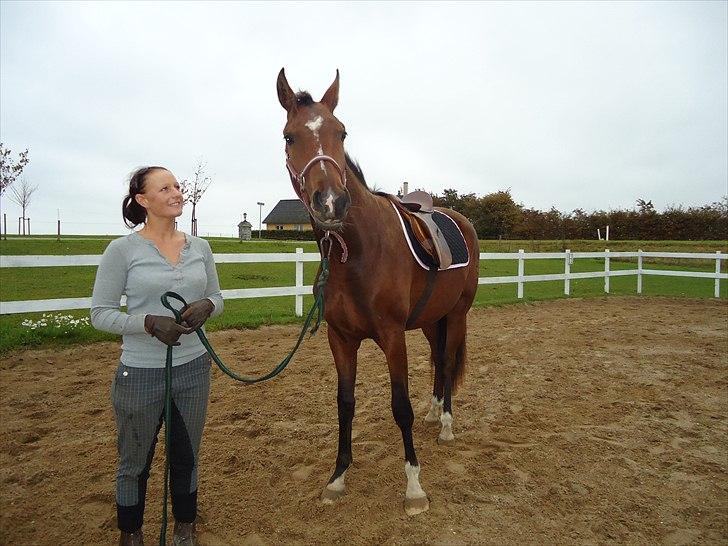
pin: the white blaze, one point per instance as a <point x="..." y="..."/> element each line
<point x="330" y="202"/>
<point x="315" y="124"/>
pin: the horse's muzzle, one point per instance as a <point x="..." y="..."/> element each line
<point x="330" y="208"/>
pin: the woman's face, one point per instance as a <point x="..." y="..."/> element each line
<point x="162" y="196"/>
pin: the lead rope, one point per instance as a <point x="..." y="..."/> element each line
<point x="318" y="304"/>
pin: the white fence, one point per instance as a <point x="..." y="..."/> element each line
<point x="299" y="258"/>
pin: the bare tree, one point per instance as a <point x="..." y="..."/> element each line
<point x="10" y="170"/>
<point x="22" y="195"/>
<point x="194" y="189"/>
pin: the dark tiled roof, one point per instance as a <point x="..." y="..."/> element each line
<point x="288" y="211"/>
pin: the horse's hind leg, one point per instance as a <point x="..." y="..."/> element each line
<point x="435" y="334"/>
<point x="447" y="346"/>
<point x="393" y="345"/>
<point x="344" y="352"/>
<point x="453" y="370"/>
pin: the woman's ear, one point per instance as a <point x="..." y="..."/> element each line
<point x="141" y="199"/>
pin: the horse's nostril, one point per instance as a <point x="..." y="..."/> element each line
<point x="316" y="199"/>
<point x="342" y="204"/>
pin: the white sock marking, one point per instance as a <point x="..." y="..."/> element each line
<point x="435" y="409"/>
<point x="414" y="489"/>
<point x="446" y="432"/>
<point x="338" y="484"/>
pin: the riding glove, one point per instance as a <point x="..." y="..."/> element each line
<point x="196" y="313"/>
<point x="165" y="329"/>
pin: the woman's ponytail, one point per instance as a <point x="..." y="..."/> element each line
<point x="134" y="214"/>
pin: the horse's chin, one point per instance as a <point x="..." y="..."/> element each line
<point x="329" y="225"/>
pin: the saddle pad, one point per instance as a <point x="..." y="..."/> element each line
<point x="453" y="236"/>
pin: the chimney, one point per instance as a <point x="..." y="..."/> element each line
<point x="245" y="217"/>
<point x="405" y="188"/>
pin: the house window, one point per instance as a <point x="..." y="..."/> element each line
<point x="279" y="227"/>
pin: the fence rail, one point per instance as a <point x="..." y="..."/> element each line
<point x="299" y="290"/>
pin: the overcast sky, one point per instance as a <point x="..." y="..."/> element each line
<point x="572" y="105"/>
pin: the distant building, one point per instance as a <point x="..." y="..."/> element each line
<point x="245" y="229"/>
<point x="288" y="214"/>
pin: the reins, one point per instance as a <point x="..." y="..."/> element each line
<point x="318" y="305"/>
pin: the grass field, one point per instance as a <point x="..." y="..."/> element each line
<point x="66" y="282"/>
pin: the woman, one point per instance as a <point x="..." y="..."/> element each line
<point x="144" y="265"/>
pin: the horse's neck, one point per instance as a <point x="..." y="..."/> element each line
<point x="362" y="221"/>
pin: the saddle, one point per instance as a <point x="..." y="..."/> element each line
<point x="416" y="209"/>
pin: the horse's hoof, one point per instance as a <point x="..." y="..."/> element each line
<point x="415" y="506"/>
<point x="446" y="441"/>
<point x="432" y="418"/>
<point x="330" y="496"/>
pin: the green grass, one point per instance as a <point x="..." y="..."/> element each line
<point x="67" y="282"/>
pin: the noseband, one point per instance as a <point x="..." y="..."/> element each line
<point x="298" y="180"/>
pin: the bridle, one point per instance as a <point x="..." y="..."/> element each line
<point x="298" y="180"/>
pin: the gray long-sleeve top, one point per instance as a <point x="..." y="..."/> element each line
<point x="133" y="265"/>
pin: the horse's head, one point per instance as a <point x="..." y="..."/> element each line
<point x="315" y="153"/>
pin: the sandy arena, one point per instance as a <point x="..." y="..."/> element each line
<point x="580" y="421"/>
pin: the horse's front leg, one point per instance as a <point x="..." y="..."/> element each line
<point x="395" y="350"/>
<point x="344" y="351"/>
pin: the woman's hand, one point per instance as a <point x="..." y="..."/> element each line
<point x="165" y="329"/>
<point x="196" y="313"/>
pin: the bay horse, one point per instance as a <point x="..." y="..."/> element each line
<point x="374" y="284"/>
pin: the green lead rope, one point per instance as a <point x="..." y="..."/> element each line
<point x="318" y="305"/>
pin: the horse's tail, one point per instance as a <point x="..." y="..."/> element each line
<point x="457" y="363"/>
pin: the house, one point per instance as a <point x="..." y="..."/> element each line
<point x="288" y="214"/>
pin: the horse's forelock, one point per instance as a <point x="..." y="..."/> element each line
<point x="304" y="98"/>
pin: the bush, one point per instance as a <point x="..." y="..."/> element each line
<point x="286" y="234"/>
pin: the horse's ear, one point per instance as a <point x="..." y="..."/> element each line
<point x="331" y="97"/>
<point x="286" y="96"/>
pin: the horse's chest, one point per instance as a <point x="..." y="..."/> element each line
<point x="350" y="310"/>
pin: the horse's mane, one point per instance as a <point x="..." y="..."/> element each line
<point x="356" y="169"/>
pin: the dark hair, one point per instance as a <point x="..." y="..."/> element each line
<point x="304" y="98"/>
<point x="134" y="213"/>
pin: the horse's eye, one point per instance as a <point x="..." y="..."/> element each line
<point x="343" y="136"/>
<point x="288" y="139"/>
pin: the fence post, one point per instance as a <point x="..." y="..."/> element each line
<point x="567" y="272"/>
<point x="606" y="271"/>
<point x="521" y="271"/>
<point x="299" y="282"/>
<point x="717" y="272"/>
<point x="639" y="271"/>
<point x="5" y="225"/>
